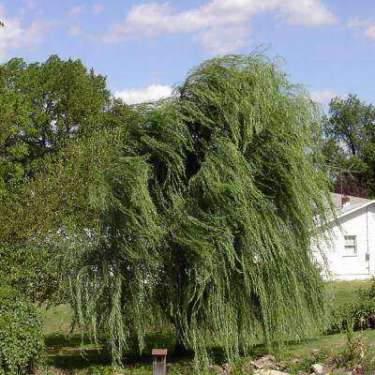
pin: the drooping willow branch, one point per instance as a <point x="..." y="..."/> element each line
<point x="198" y="212"/>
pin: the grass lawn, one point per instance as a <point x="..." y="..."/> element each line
<point x="331" y="344"/>
<point x="57" y="320"/>
<point x="69" y="356"/>
<point x="342" y="292"/>
<point x="66" y="356"/>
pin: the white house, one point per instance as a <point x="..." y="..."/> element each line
<point x="350" y="254"/>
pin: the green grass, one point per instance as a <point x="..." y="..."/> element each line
<point x="341" y="292"/>
<point x="331" y="345"/>
<point x="57" y="319"/>
<point x="67" y="357"/>
<point x="67" y="354"/>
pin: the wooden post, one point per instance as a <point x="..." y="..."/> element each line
<point x="159" y="366"/>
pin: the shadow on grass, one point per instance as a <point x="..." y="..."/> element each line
<point x="78" y="360"/>
<point x="57" y="341"/>
<point x="73" y="353"/>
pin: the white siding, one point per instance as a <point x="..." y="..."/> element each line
<point x="338" y="265"/>
<point x="371" y="238"/>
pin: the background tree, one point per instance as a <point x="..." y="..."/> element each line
<point x="42" y="107"/>
<point x="349" y="145"/>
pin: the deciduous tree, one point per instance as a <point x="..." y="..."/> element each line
<point x="42" y="107"/>
<point x="204" y="210"/>
<point x="349" y="145"/>
<point x="197" y="211"/>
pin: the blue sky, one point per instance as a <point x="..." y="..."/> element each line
<point x="146" y="47"/>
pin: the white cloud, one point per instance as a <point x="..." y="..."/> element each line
<point x="31" y="8"/>
<point x="323" y="97"/>
<point x="357" y="22"/>
<point x="16" y="35"/>
<point x="365" y="25"/>
<point x="147" y="94"/>
<point x="74" y="30"/>
<point x="370" y="32"/>
<point x="215" y="20"/>
<point x="306" y="13"/>
<point x="30" y="4"/>
<point x="98" y="8"/>
<point x="77" y="10"/>
<point x="224" y="40"/>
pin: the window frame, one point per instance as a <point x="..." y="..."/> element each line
<point x="350" y="245"/>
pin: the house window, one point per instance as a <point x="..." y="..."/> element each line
<point x="350" y="245"/>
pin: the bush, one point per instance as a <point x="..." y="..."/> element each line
<point x="21" y="340"/>
<point x="357" y="314"/>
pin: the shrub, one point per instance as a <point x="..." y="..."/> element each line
<point x="361" y="315"/>
<point x="101" y="370"/>
<point x="21" y="340"/>
<point x="358" y="314"/>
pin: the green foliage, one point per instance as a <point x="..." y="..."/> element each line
<point x="27" y="268"/>
<point x="21" y="340"/>
<point x="356" y="314"/>
<point x="202" y="208"/>
<point x="359" y="315"/>
<point x="251" y="197"/>
<point x="370" y="292"/>
<point x="355" y="354"/>
<point x="42" y="106"/>
<point x="349" y="145"/>
<point x="304" y="364"/>
<point x="196" y="212"/>
<point x="101" y="370"/>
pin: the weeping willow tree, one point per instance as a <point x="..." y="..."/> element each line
<point x="242" y="246"/>
<point x="197" y="212"/>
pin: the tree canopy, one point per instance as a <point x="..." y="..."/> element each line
<point x="42" y="106"/>
<point x="349" y="145"/>
<point x="197" y="211"/>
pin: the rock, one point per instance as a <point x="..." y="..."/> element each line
<point x="282" y="365"/>
<point x="318" y="369"/>
<point x="269" y="372"/>
<point x="341" y="371"/>
<point x="267" y="361"/>
<point x="358" y="370"/>
<point x="226" y="369"/>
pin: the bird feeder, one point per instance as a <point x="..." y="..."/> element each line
<point x="159" y="366"/>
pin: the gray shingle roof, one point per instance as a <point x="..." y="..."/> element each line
<point x="353" y="204"/>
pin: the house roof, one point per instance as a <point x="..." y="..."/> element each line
<point x="354" y="204"/>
